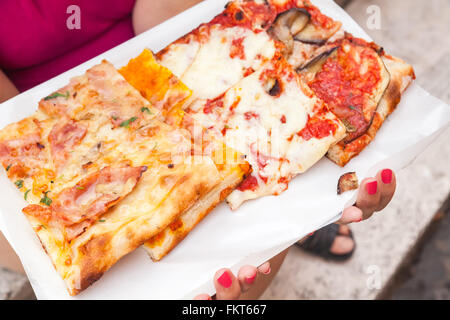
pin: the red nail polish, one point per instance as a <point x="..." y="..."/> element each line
<point x="386" y="176"/>
<point x="225" y="280"/>
<point x="359" y="220"/>
<point x="250" y="279"/>
<point x="311" y="233"/>
<point x="371" y="187"/>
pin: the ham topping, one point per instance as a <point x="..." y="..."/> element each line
<point x="63" y="138"/>
<point x="78" y="207"/>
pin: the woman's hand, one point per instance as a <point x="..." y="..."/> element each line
<point x="374" y="195"/>
<point x="230" y="287"/>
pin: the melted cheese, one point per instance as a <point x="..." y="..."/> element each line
<point x="214" y="70"/>
<point x="179" y="56"/>
<point x="264" y="128"/>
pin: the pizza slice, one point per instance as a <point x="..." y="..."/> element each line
<point x="157" y="84"/>
<point x="235" y="48"/>
<point x="231" y="170"/>
<point x="102" y="175"/>
<point x="364" y="86"/>
<point x="146" y="75"/>
<point x="298" y="24"/>
<point x="217" y="55"/>
<point x="273" y="118"/>
<point x="361" y="85"/>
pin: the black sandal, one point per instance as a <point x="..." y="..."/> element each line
<point x="321" y="241"/>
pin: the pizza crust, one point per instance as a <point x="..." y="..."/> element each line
<point x="160" y="245"/>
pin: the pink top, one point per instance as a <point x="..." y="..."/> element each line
<point x="36" y="43"/>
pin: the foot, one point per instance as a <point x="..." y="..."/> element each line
<point x="333" y="242"/>
<point x="343" y="243"/>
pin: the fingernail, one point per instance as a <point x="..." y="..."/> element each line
<point x="359" y="220"/>
<point x="250" y="279"/>
<point x="386" y="176"/>
<point x="311" y="233"/>
<point x="267" y="271"/>
<point x="371" y="187"/>
<point x="225" y="280"/>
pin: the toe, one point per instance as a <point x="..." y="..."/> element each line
<point x="342" y="245"/>
<point x="344" y="230"/>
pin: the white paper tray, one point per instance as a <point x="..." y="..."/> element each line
<point x="254" y="233"/>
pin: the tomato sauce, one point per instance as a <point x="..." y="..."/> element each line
<point x="259" y="12"/>
<point x="250" y="183"/>
<point x="265" y="179"/>
<point x="346" y="91"/>
<point x="232" y="17"/>
<point x="317" y="18"/>
<point x="237" y="49"/>
<point x="235" y="104"/>
<point x="250" y="114"/>
<point x="248" y="71"/>
<point x="213" y="103"/>
<point x="317" y="128"/>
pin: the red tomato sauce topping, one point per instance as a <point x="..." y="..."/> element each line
<point x="259" y="13"/>
<point x="346" y="91"/>
<point x="232" y="16"/>
<point x="250" y="114"/>
<point x="250" y="183"/>
<point x="317" y="128"/>
<point x="237" y="49"/>
<point x="248" y="71"/>
<point x="213" y="103"/>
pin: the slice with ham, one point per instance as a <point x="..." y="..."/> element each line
<point x="76" y="208"/>
<point x="63" y="138"/>
<point x="21" y="154"/>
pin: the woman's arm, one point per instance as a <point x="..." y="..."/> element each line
<point x="7" y="88"/>
<point x="149" y="13"/>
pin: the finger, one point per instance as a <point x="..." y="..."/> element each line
<point x="247" y="276"/>
<point x="368" y="197"/>
<point x="350" y="215"/>
<point x="227" y="286"/>
<point x="387" y="182"/>
<point x="203" y="296"/>
<point x="265" y="268"/>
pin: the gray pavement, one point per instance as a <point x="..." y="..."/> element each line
<point x="428" y="276"/>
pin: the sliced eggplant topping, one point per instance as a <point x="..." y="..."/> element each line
<point x="385" y="80"/>
<point x="348" y="126"/>
<point x="316" y="64"/>
<point x="288" y="24"/>
<point x="272" y="87"/>
<point x="276" y="89"/>
<point x="311" y="34"/>
<point x="348" y="181"/>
